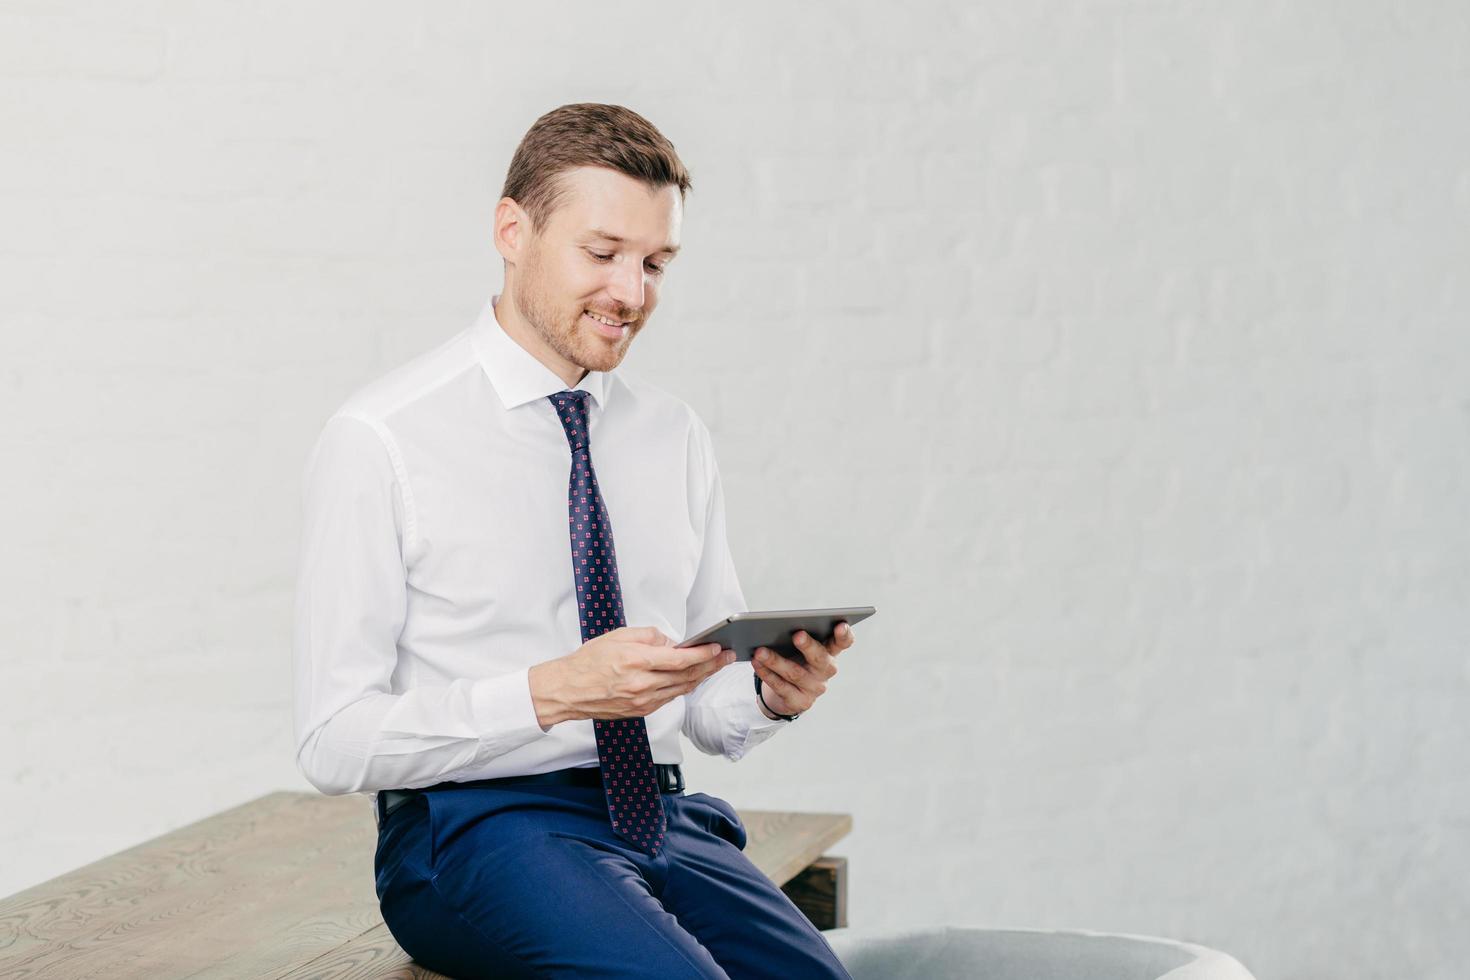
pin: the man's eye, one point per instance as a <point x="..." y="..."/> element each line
<point x="652" y="267"/>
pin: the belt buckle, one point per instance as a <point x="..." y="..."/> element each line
<point x="670" y="779"/>
<point x="390" y="800"/>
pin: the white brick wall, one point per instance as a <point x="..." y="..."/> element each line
<point x="1117" y="352"/>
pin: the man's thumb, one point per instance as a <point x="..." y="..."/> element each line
<point x="651" y="635"/>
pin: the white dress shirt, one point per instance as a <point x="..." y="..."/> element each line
<point x="436" y="568"/>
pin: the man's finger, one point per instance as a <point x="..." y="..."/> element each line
<point x="701" y="670"/>
<point x="719" y="660"/>
<point x="651" y="635"/>
<point x="682" y="658"/>
<point x="790" y="693"/>
<point x="816" y="653"/>
<point x="670" y="691"/>
<point x="782" y="666"/>
<point x="840" y="640"/>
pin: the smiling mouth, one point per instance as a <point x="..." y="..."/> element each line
<point x="606" y="330"/>
<point x="604" y="318"/>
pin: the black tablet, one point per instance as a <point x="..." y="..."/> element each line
<point x="744" y="632"/>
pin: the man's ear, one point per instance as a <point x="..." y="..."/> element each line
<point x="511" y="227"/>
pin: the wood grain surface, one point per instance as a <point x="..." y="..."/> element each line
<point x="278" y="887"/>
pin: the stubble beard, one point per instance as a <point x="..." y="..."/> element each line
<point x="569" y="340"/>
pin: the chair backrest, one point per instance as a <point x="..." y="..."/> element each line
<point x="944" y="952"/>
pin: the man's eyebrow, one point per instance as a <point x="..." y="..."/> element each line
<point x="599" y="233"/>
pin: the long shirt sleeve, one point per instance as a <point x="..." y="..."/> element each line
<point x="721" y="716"/>
<point x="352" y="732"/>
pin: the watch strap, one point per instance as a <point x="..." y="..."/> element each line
<point x="768" y="707"/>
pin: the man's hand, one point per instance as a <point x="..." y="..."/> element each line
<point x="789" y="686"/>
<point x="629" y="672"/>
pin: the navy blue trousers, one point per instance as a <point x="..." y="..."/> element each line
<point x="530" y="881"/>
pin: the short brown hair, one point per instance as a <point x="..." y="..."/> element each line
<point x="587" y="134"/>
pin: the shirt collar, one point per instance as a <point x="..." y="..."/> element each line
<point x="514" y="371"/>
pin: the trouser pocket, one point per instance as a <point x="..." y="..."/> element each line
<point x="723" y="821"/>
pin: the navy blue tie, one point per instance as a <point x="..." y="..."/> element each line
<point x="623" y="751"/>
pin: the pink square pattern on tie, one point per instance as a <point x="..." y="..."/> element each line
<point x="624" y="754"/>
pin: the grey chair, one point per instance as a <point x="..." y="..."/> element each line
<point x="963" y="952"/>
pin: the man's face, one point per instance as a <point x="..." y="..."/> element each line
<point x="573" y="266"/>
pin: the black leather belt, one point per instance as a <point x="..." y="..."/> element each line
<point x="670" y="780"/>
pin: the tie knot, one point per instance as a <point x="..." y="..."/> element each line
<point x="571" y="408"/>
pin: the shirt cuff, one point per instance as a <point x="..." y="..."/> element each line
<point x="506" y="712"/>
<point x="750" y="719"/>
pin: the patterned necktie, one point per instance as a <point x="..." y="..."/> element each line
<point x="623" y="751"/>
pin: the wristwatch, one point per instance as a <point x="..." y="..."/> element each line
<point x="768" y="707"/>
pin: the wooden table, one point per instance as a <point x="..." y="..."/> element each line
<point x="283" y="886"/>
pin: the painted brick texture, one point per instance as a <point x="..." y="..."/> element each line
<point x="1118" y="352"/>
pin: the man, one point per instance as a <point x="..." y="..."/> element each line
<point x="458" y="541"/>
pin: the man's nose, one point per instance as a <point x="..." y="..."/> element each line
<point x="627" y="287"/>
